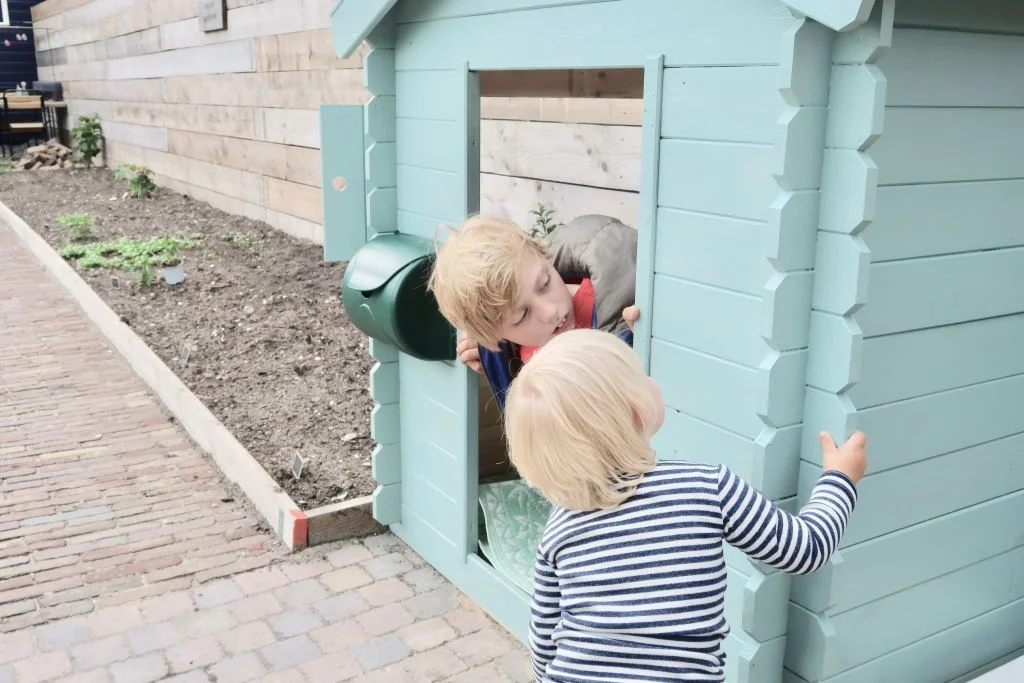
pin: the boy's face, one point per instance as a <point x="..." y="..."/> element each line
<point x="544" y="307"/>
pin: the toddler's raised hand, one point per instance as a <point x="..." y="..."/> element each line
<point x="850" y="458"/>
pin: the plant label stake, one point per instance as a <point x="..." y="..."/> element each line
<point x="114" y="282"/>
<point x="174" y="275"/>
<point x="297" y="464"/>
<point x="184" y="355"/>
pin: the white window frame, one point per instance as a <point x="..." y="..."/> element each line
<point x="5" y="17"/>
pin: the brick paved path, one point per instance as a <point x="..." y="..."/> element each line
<point x="125" y="558"/>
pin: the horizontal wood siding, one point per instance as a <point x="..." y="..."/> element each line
<point x="939" y="381"/>
<point x="247" y="99"/>
<point x="736" y="218"/>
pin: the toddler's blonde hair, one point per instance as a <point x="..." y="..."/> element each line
<point x="477" y="274"/>
<point x="579" y="418"/>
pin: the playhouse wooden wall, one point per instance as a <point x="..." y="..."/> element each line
<point x="230" y="117"/>
<point x="733" y="173"/>
<point x="929" y="587"/>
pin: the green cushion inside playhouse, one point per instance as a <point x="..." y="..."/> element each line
<point x="514" y="515"/>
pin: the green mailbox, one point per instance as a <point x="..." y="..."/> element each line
<point x="384" y="290"/>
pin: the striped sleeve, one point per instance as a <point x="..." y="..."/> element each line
<point x="797" y="544"/>
<point x="545" y="613"/>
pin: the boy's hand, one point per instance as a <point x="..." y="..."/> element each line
<point x="850" y="458"/>
<point x="469" y="353"/>
<point x="630" y="315"/>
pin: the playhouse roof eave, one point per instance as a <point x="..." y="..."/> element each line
<point x="838" y="15"/>
<point x="353" y="20"/>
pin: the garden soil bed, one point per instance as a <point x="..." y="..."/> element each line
<point x="271" y="351"/>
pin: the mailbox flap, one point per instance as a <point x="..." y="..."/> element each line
<point x="383" y="257"/>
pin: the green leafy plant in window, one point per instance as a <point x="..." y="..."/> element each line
<point x="544" y="222"/>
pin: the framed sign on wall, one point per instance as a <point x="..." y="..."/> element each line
<point x="212" y="15"/>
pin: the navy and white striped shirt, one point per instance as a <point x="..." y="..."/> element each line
<point x="637" y="593"/>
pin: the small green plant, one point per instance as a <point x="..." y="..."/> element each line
<point x="544" y="223"/>
<point x="134" y="255"/>
<point x="244" y="239"/>
<point x="78" y="225"/>
<point x="140" y="182"/>
<point x="6" y="164"/>
<point x="87" y="135"/>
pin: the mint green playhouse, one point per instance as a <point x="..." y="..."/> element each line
<point x="831" y="235"/>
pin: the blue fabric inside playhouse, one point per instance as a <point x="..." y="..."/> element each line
<point x="513" y="515"/>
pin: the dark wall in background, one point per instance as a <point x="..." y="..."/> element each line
<point x="18" y="57"/>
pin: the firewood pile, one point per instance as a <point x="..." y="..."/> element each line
<point x="48" y="156"/>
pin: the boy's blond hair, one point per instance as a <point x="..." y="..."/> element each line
<point x="477" y="275"/>
<point x="579" y="418"/>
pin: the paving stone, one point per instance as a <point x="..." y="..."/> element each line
<point x="94" y="676"/>
<point x="112" y="620"/>
<point x="300" y="594"/>
<point x="380" y="651"/>
<point x="386" y="566"/>
<point x="299" y="571"/>
<point x="292" y="652"/>
<point x="488" y="672"/>
<point x="294" y="622"/>
<point x="194" y="654"/>
<point x="100" y="652"/>
<point x="482" y="646"/>
<point x="382" y="544"/>
<point x="190" y="677"/>
<point x="6" y="675"/>
<point x="347" y="578"/>
<point x="517" y="666"/>
<point x="340" y="636"/>
<point x="432" y="603"/>
<point x="467" y="620"/>
<point x="145" y="669"/>
<point x="348" y="555"/>
<point x="207" y="622"/>
<point x="261" y="580"/>
<point x="18" y="645"/>
<point x="343" y="606"/>
<point x="255" y="607"/>
<point x="431" y="665"/>
<point x="217" y="593"/>
<point x="152" y="638"/>
<point x="425" y="635"/>
<point x="247" y="637"/>
<point x="424" y="579"/>
<point x="340" y="666"/>
<point x="414" y="557"/>
<point x="385" y="592"/>
<point x="385" y="619"/>
<point x="244" y="667"/>
<point x="45" y="666"/>
<point x="62" y="634"/>
<point x="167" y="606"/>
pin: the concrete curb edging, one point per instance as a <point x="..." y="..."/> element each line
<point x="295" y="527"/>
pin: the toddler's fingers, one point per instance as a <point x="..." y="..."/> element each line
<point x="827" y="443"/>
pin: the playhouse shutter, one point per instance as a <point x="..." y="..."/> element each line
<point x="342" y="157"/>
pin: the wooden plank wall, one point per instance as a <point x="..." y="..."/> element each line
<point x="930" y="584"/>
<point x="230" y="117"/>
